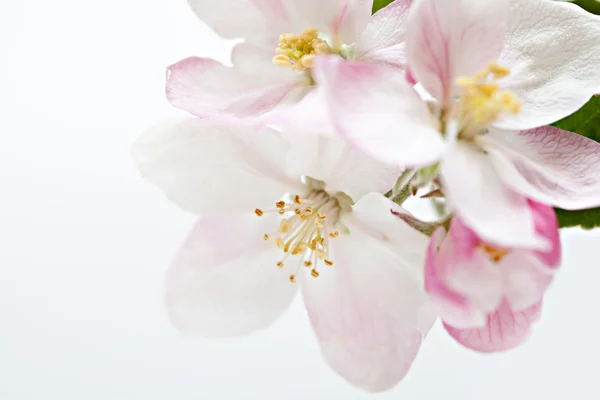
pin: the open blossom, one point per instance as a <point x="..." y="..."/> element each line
<point x="488" y="296"/>
<point x="278" y="215"/>
<point x="498" y="72"/>
<point x="282" y="39"/>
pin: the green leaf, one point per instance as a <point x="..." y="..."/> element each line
<point x="585" y="219"/>
<point x="592" y="6"/>
<point x="585" y="122"/>
<point x="379" y="4"/>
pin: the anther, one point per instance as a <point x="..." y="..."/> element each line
<point x="259" y="212"/>
<point x="282" y="60"/>
<point x="281" y="212"/>
<point x="293" y="278"/>
<point x="280" y="204"/>
<point x="334" y="234"/>
<point x="280" y="264"/>
<point x="308" y="210"/>
<point x="321" y="217"/>
<point x="308" y="264"/>
<point x="266" y="237"/>
<point x="314" y="273"/>
<point x="297" y="199"/>
<point x="329" y="263"/>
<point x="285" y="226"/>
<point x="297" y="211"/>
<point x="498" y="70"/>
<point x="279" y="242"/>
<point x="308" y="60"/>
<point x="309" y="33"/>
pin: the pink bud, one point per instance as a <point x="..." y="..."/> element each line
<point x="489" y="296"/>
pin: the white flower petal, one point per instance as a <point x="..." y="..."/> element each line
<point x="225" y="281"/>
<point x="548" y="164"/>
<point x="341" y="20"/>
<point x="257" y="21"/>
<point x="473" y="188"/>
<point x="446" y="39"/>
<point x="379" y="112"/>
<point x="369" y="310"/>
<point x="387" y="257"/>
<point x="382" y="41"/>
<point x="209" y="168"/>
<point x="554" y="58"/>
<point x="343" y="168"/>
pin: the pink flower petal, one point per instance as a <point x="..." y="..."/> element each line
<point x="546" y="224"/>
<point x="209" y="168"/>
<point x="250" y="89"/>
<point x="505" y="329"/>
<point x="450" y="305"/>
<point x="382" y="41"/>
<point x="552" y="74"/>
<point x="548" y="164"/>
<point x="484" y="203"/>
<point x="379" y="112"/>
<point x="224" y="282"/>
<point x="528" y="274"/>
<point x="446" y="39"/>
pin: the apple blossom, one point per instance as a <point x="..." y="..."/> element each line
<point x="488" y="296"/>
<point x="278" y="213"/>
<point x="497" y="72"/>
<point x="272" y="68"/>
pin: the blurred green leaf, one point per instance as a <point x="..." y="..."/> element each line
<point x="379" y="4"/>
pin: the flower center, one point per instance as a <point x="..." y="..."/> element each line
<point x="299" y="51"/>
<point x="305" y="231"/>
<point x="482" y="100"/>
<point x="495" y="254"/>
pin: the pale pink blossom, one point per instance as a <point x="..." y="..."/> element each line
<point x="497" y="72"/>
<point x="265" y="78"/>
<point x="278" y="215"/>
<point x="487" y="295"/>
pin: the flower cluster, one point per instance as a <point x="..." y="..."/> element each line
<point x="299" y="156"/>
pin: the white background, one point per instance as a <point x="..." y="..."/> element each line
<point x="84" y="242"/>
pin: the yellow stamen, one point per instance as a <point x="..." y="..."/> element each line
<point x="299" y="51"/>
<point x="482" y="99"/>
<point x="306" y="232"/>
<point x="259" y="212"/>
<point x="285" y="226"/>
<point x="495" y="254"/>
